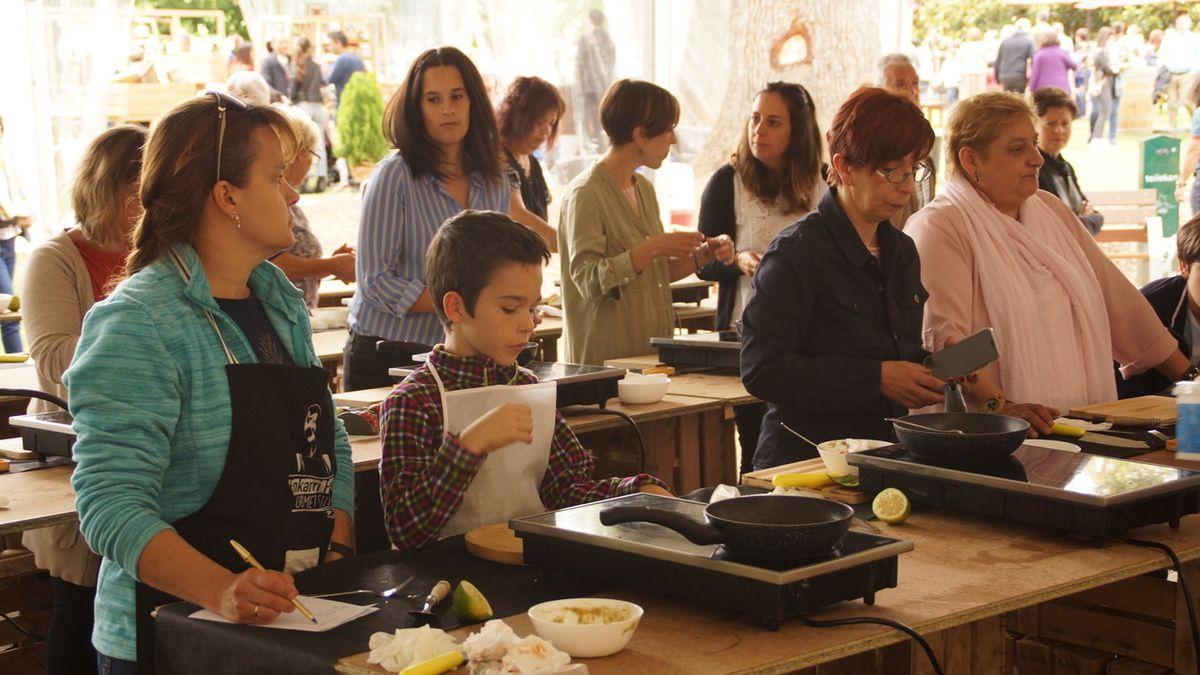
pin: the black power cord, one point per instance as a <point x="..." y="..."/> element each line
<point x="636" y="431"/>
<point x="833" y="623"/>
<point x="33" y="393"/>
<point x="1183" y="586"/>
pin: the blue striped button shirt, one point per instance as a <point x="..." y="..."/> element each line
<point x="400" y="215"/>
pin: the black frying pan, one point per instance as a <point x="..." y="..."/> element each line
<point x="775" y="527"/>
<point x="988" y="439"/>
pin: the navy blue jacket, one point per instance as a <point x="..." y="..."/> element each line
<point x="823" y="317"/>
<point x="1168" y="297"/>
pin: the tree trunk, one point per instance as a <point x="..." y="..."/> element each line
<point x="844" y="48"/>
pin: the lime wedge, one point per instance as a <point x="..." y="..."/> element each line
<point x="847" y="480"/>
<point x="469" y="603"/>
<point x="891" y="506"/>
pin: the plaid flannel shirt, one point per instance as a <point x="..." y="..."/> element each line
<point x="424" y="473"/>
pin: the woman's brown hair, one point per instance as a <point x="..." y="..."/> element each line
<point x="112" y="161"/>
<point x="404" y="123"/>
<point x="629" y="104"/>
<point x="527" y="100"/>
<point x="801" y="172"/>
<point x="179" y="169"/>
<point x="874" y="127"/>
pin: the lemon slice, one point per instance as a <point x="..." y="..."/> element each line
<point x="469" y="603"/>
<point x="891" y="506"/>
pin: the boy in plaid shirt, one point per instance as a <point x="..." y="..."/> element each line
<point x="484" y="274"/>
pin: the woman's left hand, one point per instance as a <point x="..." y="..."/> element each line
<point x="720" y="248"/>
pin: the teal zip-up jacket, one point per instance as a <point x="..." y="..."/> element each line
<point x="148" y="391"/>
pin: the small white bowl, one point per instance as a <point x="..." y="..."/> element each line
<point x="586" y="641"/>
<point x="637" y="389"/>
<point x="835" y="460"/>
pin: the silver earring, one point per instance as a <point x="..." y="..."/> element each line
<point x="237" y="219"/>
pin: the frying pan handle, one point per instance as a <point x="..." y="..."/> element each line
<point x="695" y="531"/>
<point x="955" y="403"/>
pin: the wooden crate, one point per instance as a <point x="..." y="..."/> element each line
<point x="1141" y="622"/>
<point x="24" y="596"/>
<point x="144" y="103"/>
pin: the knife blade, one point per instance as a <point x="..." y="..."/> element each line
<point x="1114" y="441"/>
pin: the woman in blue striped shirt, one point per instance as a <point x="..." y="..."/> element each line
<point x="441" y="123"/>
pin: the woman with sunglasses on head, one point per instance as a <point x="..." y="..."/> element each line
<point x="774" y="177"/>
<point x="832" y="333"/>
<point x="222" y="427"/>
<point x="447" y="160"/>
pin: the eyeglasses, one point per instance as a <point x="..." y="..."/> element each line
<point x="223" y="102"/>
<point x="920" y="173"/>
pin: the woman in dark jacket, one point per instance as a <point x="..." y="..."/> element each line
<point x="832" y="332"/>
<point x="1055" y="112"/>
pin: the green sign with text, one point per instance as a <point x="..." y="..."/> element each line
<point x="1160" y="171"/>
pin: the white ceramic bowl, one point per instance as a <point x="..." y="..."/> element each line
<point x="585" y="640"/>
<point x="835" y="460"/>
<point x="635" y="389"/>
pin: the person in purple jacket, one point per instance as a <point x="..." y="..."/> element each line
<point x="1051" y="65"/>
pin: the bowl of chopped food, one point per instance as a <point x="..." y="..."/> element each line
<point x="586" y="627"/>
<point x="833" y="453"/>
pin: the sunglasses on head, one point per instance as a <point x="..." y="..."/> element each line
<point x="224" y="102"/>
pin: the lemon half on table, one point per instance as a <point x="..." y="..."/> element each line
<point x="891" y="506"/>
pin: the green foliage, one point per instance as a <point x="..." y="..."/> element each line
<point x="360" y="121"/>
<point x="234" y="23"/>
<point x="953" y="17"/>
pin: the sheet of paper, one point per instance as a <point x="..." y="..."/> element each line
<point x="330" y="614"/>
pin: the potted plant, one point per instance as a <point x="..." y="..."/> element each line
<point x="360" y="125"/>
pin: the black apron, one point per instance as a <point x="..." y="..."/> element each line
<point x="275" y="494"/>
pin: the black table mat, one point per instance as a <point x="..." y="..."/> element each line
<point x="192" y="646"/>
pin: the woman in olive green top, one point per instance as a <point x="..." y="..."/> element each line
<point x="617" y="262"/>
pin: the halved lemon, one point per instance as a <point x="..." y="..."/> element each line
<point x="891" y="506"/>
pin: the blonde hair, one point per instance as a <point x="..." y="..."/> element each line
<point x="306" y="131"/>
<point x="180" y="169"/>
<point x="977" y="121"/>
<point x="112" y="161"/>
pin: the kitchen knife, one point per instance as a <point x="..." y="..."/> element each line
<point x="1112" y="439"/>
<point x="963" y="358"/>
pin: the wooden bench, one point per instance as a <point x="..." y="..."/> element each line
<point x="1126" y="216"/>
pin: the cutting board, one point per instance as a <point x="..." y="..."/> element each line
<point x="496" y="543"/>
<point x="1142" y="411"/>
<point x="762" y="478"/>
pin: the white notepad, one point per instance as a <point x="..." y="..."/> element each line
<point x="330" y="614"/>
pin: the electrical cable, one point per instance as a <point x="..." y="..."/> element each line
<point x="33" y="393"/>
<point x="636" y="431"/>
<point x="1183" y="587"/>
<point x="832" y="623"/>
<point x="31" y="636"/>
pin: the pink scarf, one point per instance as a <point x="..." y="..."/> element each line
<point x="1012" y="257"/>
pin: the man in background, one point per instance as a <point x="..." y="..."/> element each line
<point x="1013" y="59"/>
<point x="347" y="63"/>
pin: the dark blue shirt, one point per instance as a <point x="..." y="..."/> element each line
<point x="823" y="317"/>
<point x="250" y="316"/>
<point x="346" y="65"/>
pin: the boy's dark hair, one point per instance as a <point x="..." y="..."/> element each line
<point x="340" y="37"/>
<point x="1187" y="241"/>
<point x="469" y="247"/>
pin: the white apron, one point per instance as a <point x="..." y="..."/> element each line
<point x="506" y="485"/>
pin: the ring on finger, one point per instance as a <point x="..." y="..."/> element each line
<point x="255" y="612"/>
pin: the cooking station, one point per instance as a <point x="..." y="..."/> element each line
<point x="653" y="558"/>
<point x="1082" y="494"/>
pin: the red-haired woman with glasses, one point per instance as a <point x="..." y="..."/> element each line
<point x="832" y="333"/>
<point x="201" y="411"/>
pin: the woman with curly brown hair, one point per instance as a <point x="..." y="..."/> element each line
<point x="528" y="118"/>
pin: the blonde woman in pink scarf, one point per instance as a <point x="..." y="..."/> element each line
<point x="996" y="251"/>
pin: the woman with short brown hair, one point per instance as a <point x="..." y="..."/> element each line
<point x="528" y="118"/>
<point x="831" y="337"/>
<point x="617" y="262"/>
<point x="1000" y="253"/>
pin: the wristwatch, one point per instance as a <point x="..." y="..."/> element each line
<point x="1191" y="373"/>
<point x="341" y="549"/>
<point x="993" y="405"/>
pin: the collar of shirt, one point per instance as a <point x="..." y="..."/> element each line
<point x="846" y="235"/>
<point x="466" y="372"/>
<point x="474" y="193"/>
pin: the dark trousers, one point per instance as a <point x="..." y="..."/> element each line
<point x="69" y="637"/>
<point x="366" y="367"/>
<point x="11" y="332"/>
<point x="111" y="666"/>
<point x="1014" y="83"/>
<point x="749" y="423"/>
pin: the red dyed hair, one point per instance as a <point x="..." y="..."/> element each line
<point x="874" y="127"/>
<point x="527" y="100"/>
